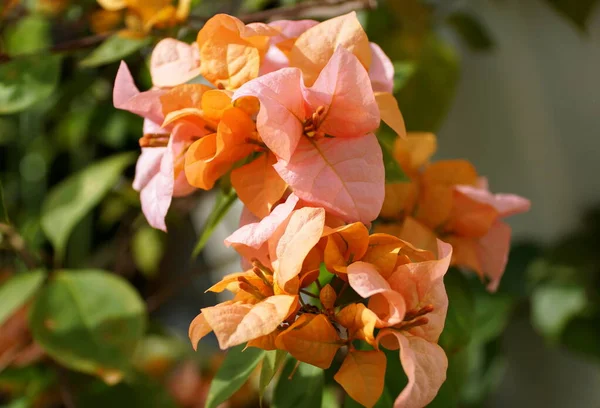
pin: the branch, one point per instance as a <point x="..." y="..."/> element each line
<point x="17" y="244"/>
<point x="314" y="9"/>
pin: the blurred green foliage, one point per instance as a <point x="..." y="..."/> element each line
<point x="68" y="207"/>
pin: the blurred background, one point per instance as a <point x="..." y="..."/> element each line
<point x="510" y="85"/>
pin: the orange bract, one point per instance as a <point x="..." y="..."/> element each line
<point x="312" y="339"/>
<point x="258" y="185"/>
<point x="231" y="51"/>
<point x="313" y="48"/>
<point x="362" y="375"/>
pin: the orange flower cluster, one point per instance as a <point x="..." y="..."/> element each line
<point x="404" y="302"/>
<point x="448" y="200"/>
<point x="140" y="16"/>
<point x="288" y="115"/>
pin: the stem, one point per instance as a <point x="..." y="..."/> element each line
<point x="307" y="293"/>
<point x="339" y="296"/>
<point x="319" y="286"/>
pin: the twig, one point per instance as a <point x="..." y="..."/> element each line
<point x="307" y="293"/>
<point x="17" y="244"/>
<point x="315" y="9"/>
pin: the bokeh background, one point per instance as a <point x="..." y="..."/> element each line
<point x="510" y="85"/>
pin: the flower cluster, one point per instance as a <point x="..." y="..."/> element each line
<point x="288" y="112"/>
<point x="448" y="200"/>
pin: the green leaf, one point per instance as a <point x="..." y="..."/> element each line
<point x="28" y="35"/>
<point x="492" y="314"/>
<point x="330" y="397"/>
<point x="29" y="382"/>
<point x="271" y="363"/>
<point x="147" y="249"/>
<point x="393" y="171"/>
<point x="403" y="71"/>
<point x="303" y="390"/>
<point x="17" y="290"/>
<point x="114" y="48"/>
<point x="471" y="31"/>
<point x="554" y="305"/>
<point x="428" y="94"/>
<point x="233" y="373"/>
<point x="68" y="202"/>
<point x="26" y="81"/>
<point x="223" y="203"/>
<point x="460" y="319"/>
<point x="89" y="321"/>
<point x="577" y="11"/>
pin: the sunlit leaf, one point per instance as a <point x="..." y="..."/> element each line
<point x="89" y="321"/>
<point x="233" y="373"/>
<point x="472" y="31"/>
<point x="147" y="249"/>
<point x="492" y="314"/>
<point x="577" y="11"/>
<point x="68" y="202"/>
<point x="223" y="203"/>
<point x="299" y="387"/>
<point x="26" y="81"/>
<point x="113" y="49"/>
<point x="553" y="305"/>
<point x="17" y="290"/>
<point x="271" y="363"/>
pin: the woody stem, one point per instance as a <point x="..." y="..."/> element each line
<point x="307" y="293"/>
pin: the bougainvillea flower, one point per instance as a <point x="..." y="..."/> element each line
<point x="362" y="375"/>
<point x="281" y="44"/>
<point x="344" y="176"/>
<point x="230" y="51"/>
<point x="159" y="177"/>
<point x="481" y="239"/>
<point x="312" y="338"/>
<point x="239" y="322"/>
<point x="449" y="200"/>
<point x="314" y="48"/>
<point x="142" y="15"/>
<point x="173" y="63"/>
<point x="309" y="129"/>
<point x="250" y="240"/>
<point x="421" y="286"/>
<point x="340" y="104"/>
<point x="381" y="70"/>
<point x="228" y="132"/>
